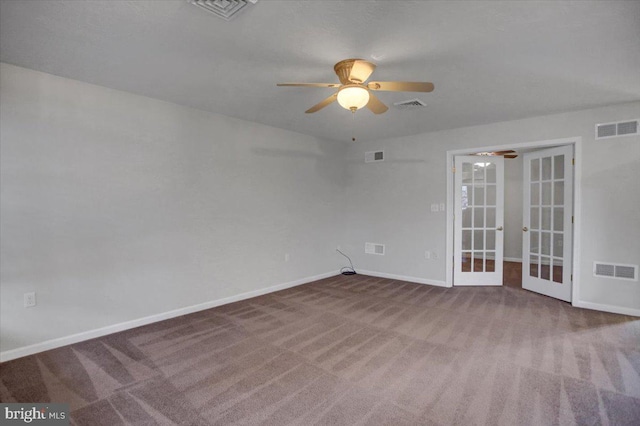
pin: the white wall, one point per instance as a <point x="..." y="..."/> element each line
<point x="117" y="206"/>
<point x="389" y="202"/>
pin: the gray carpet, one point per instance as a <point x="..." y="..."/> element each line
<point x="354" y="351"/>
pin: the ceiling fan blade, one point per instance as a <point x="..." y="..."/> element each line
<point x="401" y="86"/>
<point x="310" y="84"/>
<point x="319" y="106"/>
<point x="375" y="105"/>
<point x="496" y="153"/>
<point x="510" y="156"/>
<point x="361" y="71"/>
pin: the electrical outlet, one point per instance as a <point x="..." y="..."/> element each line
<point x="441" y="207"/>
<point x="30" y="300"/>
<point x="434" y="208"/>
<point x="434" y="255"/>
<point x="427" y="254"/>
<point x="286" y="257"/>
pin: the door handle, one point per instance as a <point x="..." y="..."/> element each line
<point x="499" y="228"/>
<point x="525" y="229"/>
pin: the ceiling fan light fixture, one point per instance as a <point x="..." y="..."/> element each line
<point x="353" y="91"/>
<point x="353" y="97"/>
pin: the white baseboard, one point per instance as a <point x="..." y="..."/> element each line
<point x="403" y="278"/>
<point x="607" y="308"/>
<point x="110" y="329"/>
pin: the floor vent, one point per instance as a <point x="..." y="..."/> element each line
<point x="614" y="270"/>
<point x="410" y="104"/>
<point x="373" y="156"/>
<point x="225" y="9"/>
<point x="374" y="248"/>
<point x="619" y="128"/>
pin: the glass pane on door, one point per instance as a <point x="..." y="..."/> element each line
<point x="466" y="261"/>
<point x="558" y="219"/>
<point x="491" y="195"/>
<point x="491" y="263"/>
<point x="545" y="268"/>
<point x="557" y="272"/>
<point x="533" y="266"/>
<point x="535" y="194"/>
<point x="535" y="170"/>
<point x="478" y="261"/>
<point x="491" y="217"/>
<point x="491" y="176"/>
<point x="546" y="168"/>
<point x="558" y="167"/>
<point x="490" y="239"/>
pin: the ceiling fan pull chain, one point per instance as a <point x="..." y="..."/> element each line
<point x="353" y="125"/>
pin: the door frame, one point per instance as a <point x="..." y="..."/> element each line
<point x="577" y="200"/>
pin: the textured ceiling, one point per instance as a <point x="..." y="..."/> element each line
<point x="489" y="61"/>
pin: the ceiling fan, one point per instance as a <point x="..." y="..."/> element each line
<point x="506" y="154"/>
<point x="354" y="94"/>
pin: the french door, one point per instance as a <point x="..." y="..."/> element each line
<point x="478" y="220"/>
<point x="547" y="216"/>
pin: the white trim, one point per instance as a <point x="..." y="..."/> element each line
<point x="110" y="329"/>
<point x="437" y="283"/>
<point x="577" y="199"/>
<point x="608" y="308"/>
<point x="508" y="259"/>
<point x="516" y="146"/>
<point x="577" y="215"/>
<point x="448" y="246"/>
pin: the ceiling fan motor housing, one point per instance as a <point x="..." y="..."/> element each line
<point x="343" y="70"/>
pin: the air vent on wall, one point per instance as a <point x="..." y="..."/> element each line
<point x="373" y="156"/>
<point x="619" y="128"/>
<point x="615" y="270"/>
<point x="374" y="248"/>
<point x="225" y="9"/>
<point x="410" y="104"/>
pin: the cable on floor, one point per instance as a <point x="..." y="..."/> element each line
<point x="346" y="270"/>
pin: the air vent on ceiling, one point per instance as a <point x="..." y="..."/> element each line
<point x="615" y="270"/>
<point x="410" y="104"/>
<point x="619" y="128"/>
<point x="373" y="156"/>
<point x="225" y="9"/>
<point x="374" y="248"/>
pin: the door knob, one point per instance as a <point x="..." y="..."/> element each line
<point x="525" y="229"/>
<point x="499" y="228"/>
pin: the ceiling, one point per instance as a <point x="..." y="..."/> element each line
<point x="489" y="61"/>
